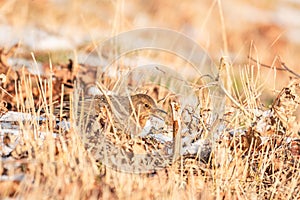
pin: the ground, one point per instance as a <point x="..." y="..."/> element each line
<point x="248" y="149"/>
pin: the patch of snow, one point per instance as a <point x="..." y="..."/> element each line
<point x="39" y="39"/>
<point x="287" y="15"/>
<point x="12" y="116"/>
<point x="162" y="138"/>
<point x="34" y="68"/>
<point x="65" y="125"/>
<point x="15" y="177"/>
<point x="94" y="90"/>
<point x="201" y="145"/>
<point x="34" y="38"/>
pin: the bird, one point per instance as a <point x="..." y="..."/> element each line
<point x="127" y="113"/>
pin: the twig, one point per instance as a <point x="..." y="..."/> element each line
<point x="284" y="67"/>
<point x="288" y="69"/>
<point x="176" y="130"/>
<point x="267" y="66"/>
<point x="5" y="91"/>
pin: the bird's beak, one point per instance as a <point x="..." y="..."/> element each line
<point x="159" y="112"/>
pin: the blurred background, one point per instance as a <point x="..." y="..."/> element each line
<point x="262" y="29"/>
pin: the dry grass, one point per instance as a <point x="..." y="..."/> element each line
<point x="242" y="166"/>
<point x="255" y="157"/>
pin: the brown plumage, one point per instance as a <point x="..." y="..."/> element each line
<point x="126" y="113"/>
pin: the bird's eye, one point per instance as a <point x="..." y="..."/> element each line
<point x="147" y="105"/>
